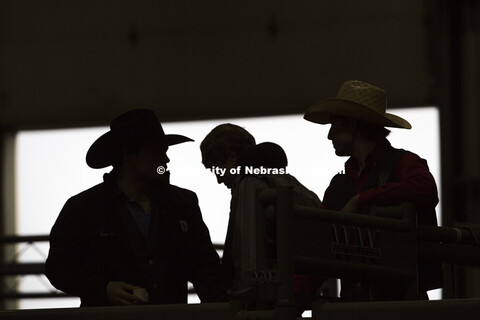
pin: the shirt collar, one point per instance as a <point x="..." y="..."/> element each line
<point x="372" y="157"/>
<point x="118" y="192"/>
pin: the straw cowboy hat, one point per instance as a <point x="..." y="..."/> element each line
<point x="134" y="125"/>
<point x="359" y="100"/>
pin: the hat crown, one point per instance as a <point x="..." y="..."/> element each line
<point x="365" y="94"/>
<point x="358" y="100"/>
<point x="129" y="128"/>
<point x="138" y="122"/>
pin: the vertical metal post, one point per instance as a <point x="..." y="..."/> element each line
<point x="285" y="308"/>
<point x="264" y="291"/>
<point x="2" y="211"/>
<point x="7" y="208"/>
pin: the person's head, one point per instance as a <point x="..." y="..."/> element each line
<point x="346" y="133"/>
<point x="358" y="110"/>
<point x="267" y="155"/>
<point x="135" y="143"/>
<point x="142" y="159"/>
<point x="223" y="147"/>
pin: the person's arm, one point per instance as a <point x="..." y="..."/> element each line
<point x="206" y="274"/>
<point x="65" y="265"/>
<point x="414" y="183"/>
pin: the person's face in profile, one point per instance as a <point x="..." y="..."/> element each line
<point x="342" y="135"/>
<point x="145" y="163"/>
<point x="223" y="170"/>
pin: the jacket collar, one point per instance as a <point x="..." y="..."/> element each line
<point x="372" y="157"/>
<point x="112" y="189"/>
<point x="111" y="186"/>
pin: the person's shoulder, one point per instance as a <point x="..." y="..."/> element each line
<point x="403" y="154"/>
<point x="251" y="181"/>
<point x="179" y="190"/>
<point x="96" y="189"/>
<point x="304" y="196"/>
<point x="400" y="151"/>
<point x="89" y="202"/>
<point x="94" y="193"/>
<point x="176" y="192"/>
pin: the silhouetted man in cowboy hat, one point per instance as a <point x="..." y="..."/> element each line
<point x="376" y="174"/>
<point x="133" y="238"/>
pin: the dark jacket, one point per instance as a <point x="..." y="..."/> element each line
<point x="95" y="240"/>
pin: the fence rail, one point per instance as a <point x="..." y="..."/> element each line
<point x="452" y="245"/>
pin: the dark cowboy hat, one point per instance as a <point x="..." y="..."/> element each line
<point x="358" y="100"/>
<point x="138" y="124"/>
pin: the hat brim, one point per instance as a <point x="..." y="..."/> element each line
<point x="100" y="154"/>
<point x="323" y="110"/>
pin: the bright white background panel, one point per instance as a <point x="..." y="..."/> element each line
<point x="50" y="168"/>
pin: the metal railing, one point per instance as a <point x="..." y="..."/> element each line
<point x="206" y="311"/>
<point x="440" y="244"/>
<point x="15" y="268"/>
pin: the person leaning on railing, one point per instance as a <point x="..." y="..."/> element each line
<point x="375" y="174"/>
<point x="231" y="147"/>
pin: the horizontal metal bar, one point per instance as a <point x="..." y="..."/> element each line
<point x="401" y="310"/>
<point x="342" y="269"/>
<point x="33" y="295"/>
<point x="353" y="219"/>
<point x="449" y="253"/>
<point x="45" y="238"/>
<point x="22" y="269"/>
<point x="46" y="295"/>
<point x="393" y="212"/>
<point x="448" y="234"/>
<point x="21" y="239"/>
<point x="427" y="251"/>
<point x="205" y="311"/>
<point x="260" y="314"/>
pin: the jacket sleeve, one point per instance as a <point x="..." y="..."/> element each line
<point x="205" y="273"/>
<point x="67" y="265"/>
<point x="414" y="183"/>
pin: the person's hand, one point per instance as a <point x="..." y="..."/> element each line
<point x="121" y="293"/>
<point x="352" y="205"/>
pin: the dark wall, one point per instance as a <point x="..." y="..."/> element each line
<point x="82" y="62"/>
